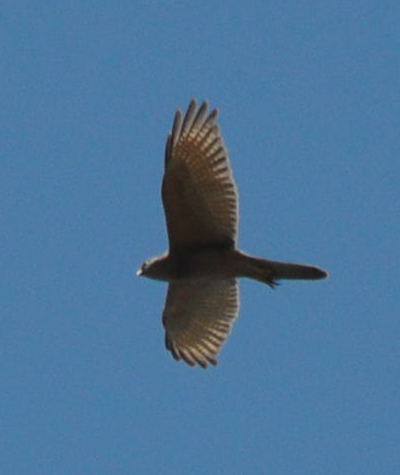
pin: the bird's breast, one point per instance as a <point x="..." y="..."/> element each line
<point x="204" y="264"/>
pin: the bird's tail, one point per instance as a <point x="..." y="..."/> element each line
<point x="269" y="272"/>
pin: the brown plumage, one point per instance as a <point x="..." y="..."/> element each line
<point x="203" y="263"/>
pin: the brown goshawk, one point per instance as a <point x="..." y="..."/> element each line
<point x="203" y="262"/>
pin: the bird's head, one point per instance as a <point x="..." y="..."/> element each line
<point x="155" y="268"/>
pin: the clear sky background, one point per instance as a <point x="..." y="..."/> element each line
<point x="309" y="101"/>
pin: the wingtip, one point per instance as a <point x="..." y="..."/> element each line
<point x="192" y="103"/>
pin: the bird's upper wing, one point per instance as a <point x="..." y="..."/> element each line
<point x="198" y="317"/>
<point x="199" y="193"/>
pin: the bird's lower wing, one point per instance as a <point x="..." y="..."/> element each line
<point x="198" y="317"/>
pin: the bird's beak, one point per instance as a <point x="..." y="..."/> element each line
<point x="139" y="272"/>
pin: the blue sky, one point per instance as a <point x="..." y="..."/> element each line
<point x="309" y="104"/>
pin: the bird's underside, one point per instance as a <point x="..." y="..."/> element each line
<point x="202" y="266"/>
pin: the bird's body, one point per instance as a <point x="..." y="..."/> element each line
<point x="197" y="264"/>
<point x="203" y="262"/>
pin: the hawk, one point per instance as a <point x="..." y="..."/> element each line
<point x="203" y="261"/>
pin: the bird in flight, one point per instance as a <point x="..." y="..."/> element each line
<point x="203" y="261"/>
